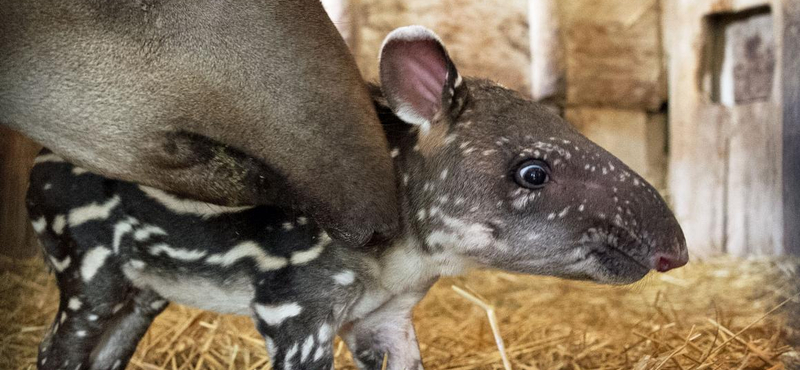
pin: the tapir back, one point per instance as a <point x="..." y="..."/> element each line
<point x="232" y="102"/>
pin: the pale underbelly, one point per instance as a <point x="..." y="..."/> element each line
<point x="234" y="295"/>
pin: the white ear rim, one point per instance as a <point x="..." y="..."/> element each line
<point x="410" y="33"/>
<point x="409" y="116"/>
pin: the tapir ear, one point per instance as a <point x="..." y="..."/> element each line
<point x="418" y="79"/>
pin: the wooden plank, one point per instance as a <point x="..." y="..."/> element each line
<point x="790" y="90"/>
<point x="16" y="158"/>
<point x="753" y="221"/>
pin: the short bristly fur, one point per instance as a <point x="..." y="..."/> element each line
<point x="242" y="102"/>
<point x="122" y="251"/>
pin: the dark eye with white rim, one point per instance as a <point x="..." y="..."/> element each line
<point x="532" y="174"/>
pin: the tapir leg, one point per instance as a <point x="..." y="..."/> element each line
<point x="297" y="336"/>
<point x="95" y="333"/>
<point x="388" y="332"/>
<point x="101" y="316"/>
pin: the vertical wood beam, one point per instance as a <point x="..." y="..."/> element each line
<point x="790" y="78"/>
<point x="16" y="158"/>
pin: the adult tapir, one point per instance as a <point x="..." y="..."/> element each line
<point x="228" y="101"/>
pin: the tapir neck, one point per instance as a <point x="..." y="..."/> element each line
<point x="406" y="266"/>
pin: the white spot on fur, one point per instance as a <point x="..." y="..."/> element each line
<point x="287" y="226"/>
<point x="62" y="265"/>
<point x="74" y="304"/>
<point x="345" y="277"/>
<point x="77" y="171"/>
<point x="39" y="224"/>
<point x="120" y="229"/>
<point x="581" y="207"/>
<point x="318" y="353"/>
<point x="93" y="261"/>
<point x="563" y="212"/>
<point x="395" y="152"/>
<point x="324" y="334"/>
<point x="58" y="224"/>
<point x="276" y="314"/>
<point x="188" y="206"/>
<point x="47" y="186"/>
<point x="461" y="234"/>
<point x="146" y="232"/>
<point x="551" y="216"/>
<point x="443" y="176"/>
<point x="306" y="348"/>
<point x="159" y="304"/>
<point x="92" y="317"/>
<point x="50" y="157"/>
<point x="302" y="220"/>
<point x="177" y="253"/>
<point x="489" y="151"/>
<point x="81" y="333"/>
<point x="137" y="264"/>
<point x="272" y="350"/>
<point x="421" y="215"/>
<point x="287" y="361"/>
<point x="248" y="249"/>
<point x="117" y="308"/>
<point x="93" y="211"/>
<point x="306" y="256"/>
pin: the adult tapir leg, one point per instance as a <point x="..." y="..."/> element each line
<point x="234" y="102"/>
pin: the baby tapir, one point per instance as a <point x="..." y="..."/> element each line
<point x="486" y="179"/>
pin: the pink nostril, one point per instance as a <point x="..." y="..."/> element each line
<point x="664" y="263"/>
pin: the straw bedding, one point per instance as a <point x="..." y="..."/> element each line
<point x="718" y="314"/>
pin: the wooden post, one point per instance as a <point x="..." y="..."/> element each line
<point x="547" y="51"/>
<point x="16" y="158"/>
<point x="791" y="125"/>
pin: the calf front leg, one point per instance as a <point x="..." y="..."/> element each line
<point x="387" y="332"/>
<point x="298" y="336"/>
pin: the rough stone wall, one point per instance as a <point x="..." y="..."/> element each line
<point x="484" y="38"/>
<point x="616" y="79"/>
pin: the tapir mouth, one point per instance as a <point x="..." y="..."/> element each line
<point x="615" y="250"/>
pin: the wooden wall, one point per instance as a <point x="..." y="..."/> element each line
<point x="733" y="125"/>
<point x="16" y="158"/>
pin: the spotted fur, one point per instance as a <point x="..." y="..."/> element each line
<point x="122" y="251"/>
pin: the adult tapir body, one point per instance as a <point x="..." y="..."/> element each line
<point x="232" y="102"/>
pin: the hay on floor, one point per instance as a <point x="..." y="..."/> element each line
<point x="719" y="314"/>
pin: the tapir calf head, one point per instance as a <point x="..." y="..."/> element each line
<point x="499" y="180"/>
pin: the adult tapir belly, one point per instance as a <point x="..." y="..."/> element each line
<point x="233" y="102"/>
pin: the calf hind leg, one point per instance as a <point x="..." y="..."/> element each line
<point x="97" y="326"/>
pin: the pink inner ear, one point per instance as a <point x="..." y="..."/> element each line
<point x="417" y="72"/>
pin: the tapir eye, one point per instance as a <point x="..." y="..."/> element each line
<point x="532" y="174"/>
